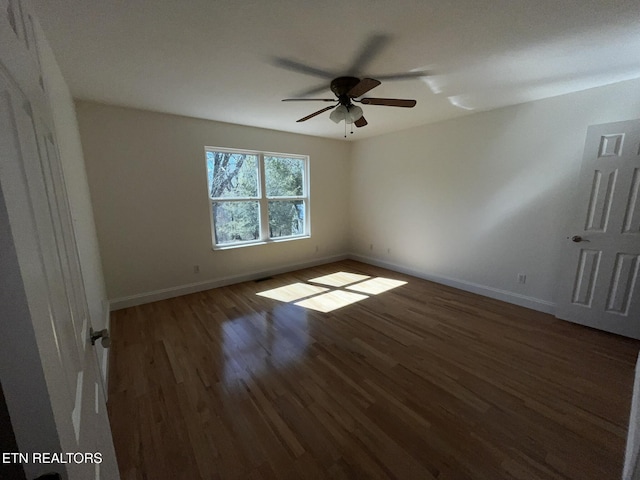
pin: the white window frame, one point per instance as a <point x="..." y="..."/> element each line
<point x="262" y="199"/>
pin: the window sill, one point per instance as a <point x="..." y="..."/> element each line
<point x="217" y="248"/>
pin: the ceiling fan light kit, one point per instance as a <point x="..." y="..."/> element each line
<point x="350" y="114"/>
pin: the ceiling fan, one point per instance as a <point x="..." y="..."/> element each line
<point x="348" y="90"/>
<point x="351" y="86"/>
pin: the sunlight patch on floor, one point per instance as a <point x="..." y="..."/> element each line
<point x="293" y="292"/>
<point x="323" y="299"/>
<point x="376" y="285"/>
<point x="339" y="279"/>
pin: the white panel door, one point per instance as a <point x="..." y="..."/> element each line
<point x="89" y="414"/>
<point x="32" y="183"/>
<point x="600" y="285"/>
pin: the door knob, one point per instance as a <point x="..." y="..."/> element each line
<point x="578" y="239"/>
<point x="103" y="335"/>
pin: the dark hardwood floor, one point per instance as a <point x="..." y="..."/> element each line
<point x="419" y="382"/>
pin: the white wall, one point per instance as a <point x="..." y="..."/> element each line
<point x="477" y="200"/>
<point x="147" y="175"/>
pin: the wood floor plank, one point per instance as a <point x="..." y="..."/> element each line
<point x="421" y="381"/>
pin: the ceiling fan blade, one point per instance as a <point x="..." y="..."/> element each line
<point x="309" y="100"/>
<point x="363" y="87"/>
<point x="302" y="68"/>
<point x="371" y="49"/>
<point x="390" y="102"/>
<point x="304" y="119"/>
<point x="403" y="76"/>
<point x="361" y="122"/>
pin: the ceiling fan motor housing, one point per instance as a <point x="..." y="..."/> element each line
<point x="341" y="86"/>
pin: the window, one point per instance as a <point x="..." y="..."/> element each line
<point x="257" y="197"/>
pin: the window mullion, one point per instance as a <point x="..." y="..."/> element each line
<point x="264" y="203"/>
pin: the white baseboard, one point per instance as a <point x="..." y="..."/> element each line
<point x="163" y="294"/>
<point x="491" y="292"/>
<point x="503" y="295"/>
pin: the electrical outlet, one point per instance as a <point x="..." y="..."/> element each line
<point x="522" y="278"/>
<point x="371" y="246"/>
<point x="388" y="250"/>
<point x="196" y="269"/>
<point x="317" y="248"/>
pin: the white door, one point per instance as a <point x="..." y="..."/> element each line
<point x="599" y="280"/>
<point x="33" y="188"/>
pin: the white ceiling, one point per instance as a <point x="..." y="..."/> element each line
<point x="215" y="59"/>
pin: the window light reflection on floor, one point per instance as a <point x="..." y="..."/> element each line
<point x="376" y="285"/>
<point x="293" y="292"/>
<point x="339" y="279"/>
<point x="322" y="299"/>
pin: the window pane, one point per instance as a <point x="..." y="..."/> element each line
<point x="236" y="222"/>
<point x="232" y="175"/>
<point x="286" y="218"/>
<point x="284" y="176"/>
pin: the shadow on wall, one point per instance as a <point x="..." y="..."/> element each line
<point x="529" y="187"/>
